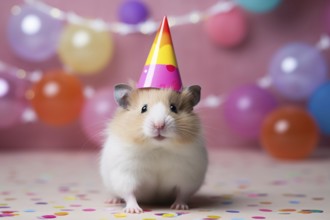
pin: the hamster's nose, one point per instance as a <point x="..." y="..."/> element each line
<point x="159" y="126"/>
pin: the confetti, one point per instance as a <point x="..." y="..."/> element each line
<point x="29" y="210"/>
<point x="68" y="198"/>
<point x="258" y="217"/>
<point x="287" y="210"/>
<point x="48" y="216"/>
<point x="59" y="207"/>
<point x="89" y="210"/>
<point x="309" y="211"/>
<point x="294" y="202"/>
<point x="61" y="213"/>
<point x="41" y="203"/>
<point x="169" y="215"/>
<point x="120" y="215"/>
<point x="266" y="202"/>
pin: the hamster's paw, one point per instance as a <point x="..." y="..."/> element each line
<point x="180" y="206"/>
<point x="114" y="201"/>
<point x="133" y="209"/>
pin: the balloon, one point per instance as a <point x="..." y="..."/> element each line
<point x="57" y="98"/>
<point x="85" y="50"/>
<point x="319" y="106"/>
<point x="227" y="29"/>
<point x="12" y="99"/>
<point x="33" y="35"/>
<point x="96" y="114"/>
<point x="259" y="6"/>
<point x="133" y="12"/>
<point x="297" y="70"/>
<point x="289" y="133"/>
<point x="245" y="109"/>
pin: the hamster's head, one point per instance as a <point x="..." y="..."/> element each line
<point x="157" y="117"/>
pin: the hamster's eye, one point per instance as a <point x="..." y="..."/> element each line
<point x="173" y="108"/>
<point x="144" y="109"/>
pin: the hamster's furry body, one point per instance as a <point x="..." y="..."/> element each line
<point x="155" y="150"/>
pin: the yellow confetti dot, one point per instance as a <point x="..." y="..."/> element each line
<point x="266" y="203"/>
<point x="227" y="196"/>
<point x="69" y="198"/>
<point x="120" y="215"/>
<point x="3" y="204"/>
<point x="149" y="219"/>
<point x="59" y="207"/>
<point x="168" y="215"/>
<point x="61" y="213"/>
<point x="213" y="216"/>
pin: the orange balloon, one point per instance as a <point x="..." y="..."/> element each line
<point x="57" y="98"/>
<point x="289" y="133"/>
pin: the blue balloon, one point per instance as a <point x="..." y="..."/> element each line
<point x="319" y="107"/>
<point x="258" y="6"/>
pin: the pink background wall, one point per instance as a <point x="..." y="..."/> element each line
<point x="217" y="70"/>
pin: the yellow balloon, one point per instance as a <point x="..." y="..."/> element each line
<point x="85" y="50"/>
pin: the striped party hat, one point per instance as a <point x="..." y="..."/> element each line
<point x="161" y="69"/>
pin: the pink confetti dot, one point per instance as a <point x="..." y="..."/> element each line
<point x="258" y="217"/>
<point x="89" y="210"/>
<point x="265" y="210"/>
<point x="48" y="216"/>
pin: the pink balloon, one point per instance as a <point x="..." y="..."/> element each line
<point x="96" y="114"/>
<point x="12" y="99"/>
<point x="246" y="107"/>
<point x="227" y="29"/>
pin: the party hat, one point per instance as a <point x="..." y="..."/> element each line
<point x="161" y="69"/>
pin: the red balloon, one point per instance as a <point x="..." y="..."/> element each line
<point x="289" y="133"/>
<point x="57" y="98"/>
<point x="227" y="29"/>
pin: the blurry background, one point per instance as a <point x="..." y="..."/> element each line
<point x="219" y="52"/>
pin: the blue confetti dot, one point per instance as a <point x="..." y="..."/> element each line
<point x="294" y="202"/>
<point x="227" y="202"/>
<point x="29" y="210"/>
<point x="232" y="211"/>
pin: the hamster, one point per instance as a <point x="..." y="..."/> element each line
<point x="154" y="150"/>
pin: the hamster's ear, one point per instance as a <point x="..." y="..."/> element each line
<point x="121" y="93"/>
<point x="195" y="94"/>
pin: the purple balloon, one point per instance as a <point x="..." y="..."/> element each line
<point x="96" y="114"/>
<point x="33" y="35"/>
<point x="297" y="70"/>
<point x="246" y="107"/>
<point x="12" y="99"/>
<point x="133" y="12"/>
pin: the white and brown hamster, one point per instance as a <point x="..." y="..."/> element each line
<point x="154" y="150"/>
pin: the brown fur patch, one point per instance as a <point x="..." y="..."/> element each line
<point x="127" y="123"/>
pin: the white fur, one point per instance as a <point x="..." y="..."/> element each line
<point x="158" y="115"/>
<point x="150" y="172"/>
<point x="159" y="167"/>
